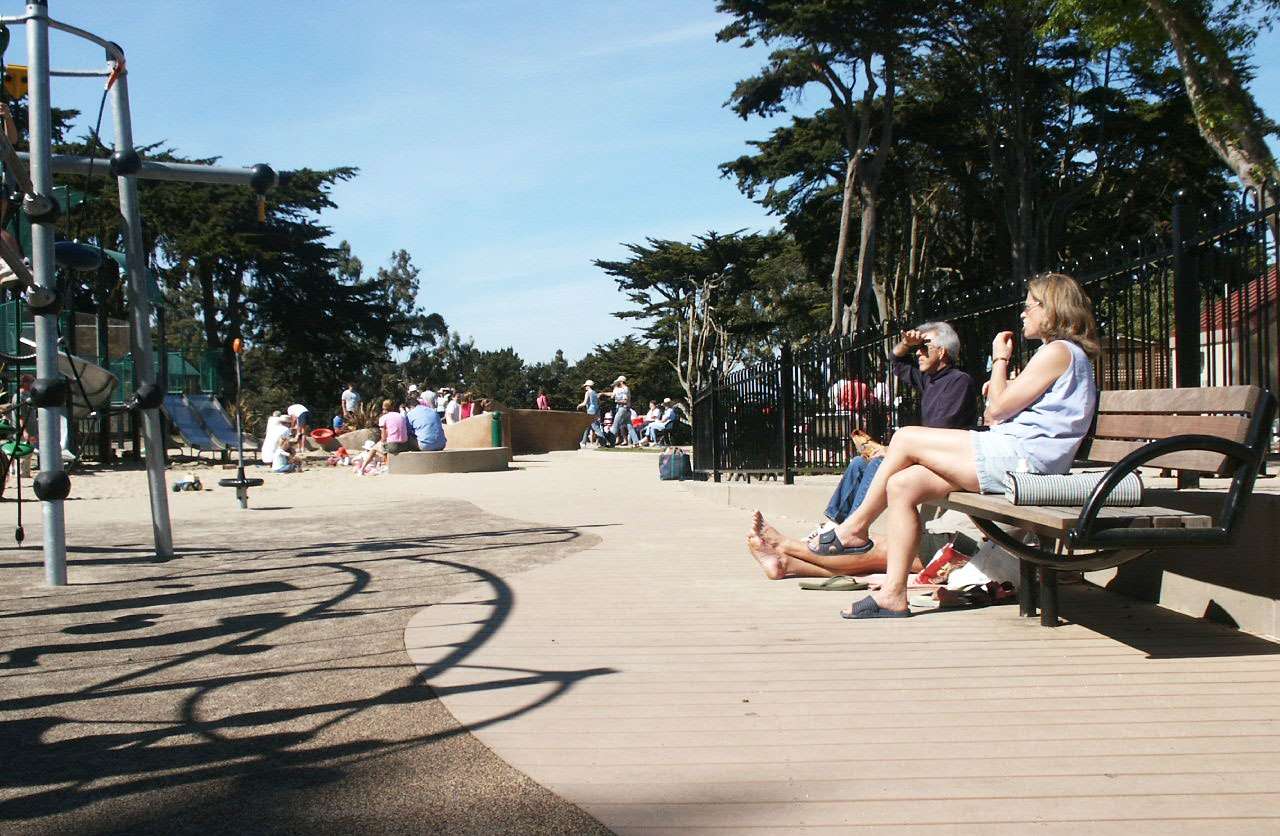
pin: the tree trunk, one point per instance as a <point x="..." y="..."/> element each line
<point x="857" y="144"/>
<point x="1227" y="115"/>
<point x="869" y="193"/>
<point x="838" y="269"/>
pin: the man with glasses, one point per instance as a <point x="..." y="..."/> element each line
<point x="925" y="359"/>
<point x="948" y="399"/>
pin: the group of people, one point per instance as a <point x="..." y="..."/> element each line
<point x="417" y="424"/>
<point x="449" y="405"/>
<point x="618" y="428"/>
<point x="283" y="441"/>
<point x="1033" y="421"/>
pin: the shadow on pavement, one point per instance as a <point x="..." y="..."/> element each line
<point x="268" y="671"/>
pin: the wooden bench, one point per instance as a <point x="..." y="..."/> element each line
<point x="1223" y="431"/>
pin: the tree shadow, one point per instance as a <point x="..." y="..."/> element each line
<point x="211" y="733"/>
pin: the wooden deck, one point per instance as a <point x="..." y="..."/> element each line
<point x="661" y="683"/>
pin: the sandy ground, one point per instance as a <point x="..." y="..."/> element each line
<point x="257" y="682"/>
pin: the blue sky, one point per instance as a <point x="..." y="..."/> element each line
<point x="503" y="144"/>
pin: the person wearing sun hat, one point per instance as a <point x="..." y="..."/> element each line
<point x="621" y="395"/>
<point x="591" y="403"/>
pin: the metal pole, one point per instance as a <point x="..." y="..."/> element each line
<point x="49" y="420"/>
<point x="140" y="320"/>
<point x="1186" y="309"/>
<point x="787" y="362"/>
<point x="715" y="424"/>
<point x="260" y="177"/>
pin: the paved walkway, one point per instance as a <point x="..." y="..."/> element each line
<point x="257" y="683"/>
<point x="660" y="683"/>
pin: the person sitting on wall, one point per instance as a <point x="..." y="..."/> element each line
<point x="394" y="430"/>
<point x="425" y="425"/>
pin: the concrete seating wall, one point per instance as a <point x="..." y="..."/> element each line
<point x="544" y="430"/>
<point x="476" y="431"/>
<point x="471" y="460"/>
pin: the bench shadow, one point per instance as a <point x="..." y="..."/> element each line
<point x="1156" y="631"/>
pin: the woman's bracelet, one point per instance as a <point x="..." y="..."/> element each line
<point x="999" y="359"/>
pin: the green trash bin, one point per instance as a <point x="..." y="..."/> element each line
<point x="495" y="430"/>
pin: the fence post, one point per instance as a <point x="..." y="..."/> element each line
<point x="715" y="425"/>
<point x="786" y="366"/>
<point x="1186" y="307"/>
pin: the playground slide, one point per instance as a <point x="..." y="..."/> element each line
<point x="220" y="425"/>
<point x="94" y="389"/>
<point x="188" y="425"/>
<point x="96" y="385"/>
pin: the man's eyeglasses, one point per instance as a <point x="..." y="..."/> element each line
<point x="924" y="348"/>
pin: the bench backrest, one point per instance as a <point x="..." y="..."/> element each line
<point x="1128" y="419"/>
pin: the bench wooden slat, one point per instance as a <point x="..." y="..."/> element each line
<point x="1197" y="400"/>
<point x="1231" y="427"/>
<point x="1111" y="450"/>
<point x="1054" y="521"/>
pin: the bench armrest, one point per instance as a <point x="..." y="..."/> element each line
<point x="1087" y="534"/>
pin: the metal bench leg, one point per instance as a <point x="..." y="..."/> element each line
<point x="1026" y="588"/>
<point x="1048" y="597"/>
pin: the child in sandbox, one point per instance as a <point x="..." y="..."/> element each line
<point x="285" y="459"/>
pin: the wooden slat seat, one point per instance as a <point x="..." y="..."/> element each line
<point x="1223" y="430"/>
<point x="1056" y="521"/>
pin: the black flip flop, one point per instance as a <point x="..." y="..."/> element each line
<point x="868" y="608"/>
<point x="829" y="545"/>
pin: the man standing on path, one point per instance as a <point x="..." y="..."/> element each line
<point x="350" y="402"/>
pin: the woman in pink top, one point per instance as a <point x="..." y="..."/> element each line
<point x="395" y="429"/>
<point x="543" y="403"/>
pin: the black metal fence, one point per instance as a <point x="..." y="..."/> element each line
<point x="1198" y="306"/>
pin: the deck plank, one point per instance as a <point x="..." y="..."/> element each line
<point x="665" y="686"/>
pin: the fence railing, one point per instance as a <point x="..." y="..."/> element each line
<point x="1199" y="306"/>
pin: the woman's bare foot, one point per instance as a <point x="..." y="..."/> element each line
<point x="773" y="564"/>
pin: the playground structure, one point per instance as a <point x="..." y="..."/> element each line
<point x="49" y="392"/>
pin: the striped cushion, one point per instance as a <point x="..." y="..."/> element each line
<point x="1071" y="489"/>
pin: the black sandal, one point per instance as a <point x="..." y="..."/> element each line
<point x="829" y="545"/>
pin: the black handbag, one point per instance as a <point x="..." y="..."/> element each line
<point x="674" y="465"/>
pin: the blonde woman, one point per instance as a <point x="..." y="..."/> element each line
<point x="1040" y="418"/>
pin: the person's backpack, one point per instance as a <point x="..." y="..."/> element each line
<point x="674" y="465"/>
